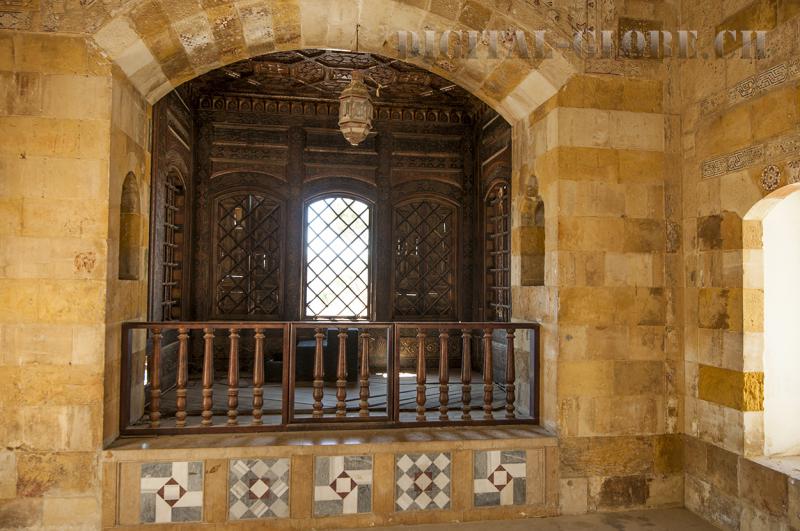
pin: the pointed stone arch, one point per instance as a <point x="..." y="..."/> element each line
<point x="160" y="46"/>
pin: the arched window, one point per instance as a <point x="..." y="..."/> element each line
<point x="130" y="227"/>
<point x="337" y="259"/>
<point x="781" y="282"/>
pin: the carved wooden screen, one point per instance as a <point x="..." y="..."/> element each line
<point x="425" y="259"/>
<point x="173" y="230"/>
<point x="497" y="258"/>
<point x="248" y="251"/>
<point x="337" y="259"/>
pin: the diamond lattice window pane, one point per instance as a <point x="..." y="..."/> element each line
<point x="337" y="259"/>
<point x="248" y="255"/>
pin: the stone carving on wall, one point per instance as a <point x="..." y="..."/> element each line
<point x="794" y="171"/>
<point x="752" y="86"/>
<point x="773" y="150"/>
<point x="733" y="161"/>
<point x="770" y="178"/>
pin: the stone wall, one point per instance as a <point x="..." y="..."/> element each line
<point x="601" y="158"/>
<point x="652" y="316"/>
<point x="126" y="299"/>
<point x="739" y="140"/>
<point x="55" y="136"/>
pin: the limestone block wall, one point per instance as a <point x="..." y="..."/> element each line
<point x="739" y="143"/>
<point x="127" y="299"/>
<point x="55" y="136"/>
<point x="600" y="152"/>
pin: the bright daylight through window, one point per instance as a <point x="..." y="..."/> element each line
<point x="337" y="259"/>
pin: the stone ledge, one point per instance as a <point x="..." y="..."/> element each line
<point x="787" y="465"/>
<point x="321" y="442"/>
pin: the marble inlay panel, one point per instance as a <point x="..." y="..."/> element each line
<point x="171" y="492"/>
<point x="342" y="485"/>
<point x="258" y="488"/>
<point x="499" y="477"/>
<point x="422" y="481"/>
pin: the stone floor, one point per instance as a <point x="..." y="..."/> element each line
<point x="652" y="520"/>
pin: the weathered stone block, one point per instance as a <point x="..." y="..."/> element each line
<point x="794" y="502"/>
<point x="761" y="14"/>
<point x="587" y="378"/>
<point x="638" y="377"/>
<point x="669" y="454"/>
<point x="8" y="475"/>
<point x="644" y="235"/>
<point x="55" y="474"/>
<point x="720" y="308"/>
<point x="71" y="511"/>
<point x="573" y="496"/>
<point x="734" y="389"/>
<point x="723" y="469"/>
<point x="624" y="491"/>
<point x="606" y="456"/>
<point x="765" y="488"/>
<point x="21" y="513"/>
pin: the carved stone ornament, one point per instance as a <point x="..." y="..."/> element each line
<point x="770" y="178"/>
<point x="794" y="171"/>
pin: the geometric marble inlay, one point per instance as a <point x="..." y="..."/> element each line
<point x="500" y="477"/>
<point x="423" y="481"/>
<point x="342" y="485"/>
<point x="258" y="488"/>
<point x="171" y="492"/>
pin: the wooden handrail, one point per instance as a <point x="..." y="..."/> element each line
<point x="358" y="392"/>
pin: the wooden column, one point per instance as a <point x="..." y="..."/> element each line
<point x="183" y="373"/>
<point x="233" y="378"/>
<point x="341" y="375"/>
<point x="421" y="375"/>
<point x="258" y="377"/>
<point x="466" y="374"/>
<point x="318" y="384"/>
<point x="155" y="380"/>
<point x="510" y="374"/>
<point x="208" y="377"/>
<point x="363" y="403"/>
<point x="488" y="383"/>
<point x="444" y="375"/>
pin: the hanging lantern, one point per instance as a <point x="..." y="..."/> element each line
<point x="355" y="110"/>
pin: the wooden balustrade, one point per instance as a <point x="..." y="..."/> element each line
<point x="277" y="372"/>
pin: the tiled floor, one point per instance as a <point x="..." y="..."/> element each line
<point x="653" y="520"/>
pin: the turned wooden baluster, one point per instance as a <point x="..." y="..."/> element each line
<point x="233" y="378"/>
<point x="510" y="374"/>
<point x="444" y="376"/>
<point x="155" y="380"/>
<point x="363" y="403"/>
<point x="341" y="375"/>
<point x="421" y="376"/>
<point x="258" y="377"/>
<point x="318" y="384"/>
<point x="466" y="374"/>
<point x="208" y="376"/>
<point x="183" y="376"/>
<point x="488" y="384"/>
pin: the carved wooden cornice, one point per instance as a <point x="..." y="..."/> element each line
<point x="244" y="103"/>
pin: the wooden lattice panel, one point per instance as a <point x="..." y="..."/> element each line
<point x="497" y="258"/>
<point x="248" y="255"/>
<point x="173" y="242"/>
<point x="424" y="259"/>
